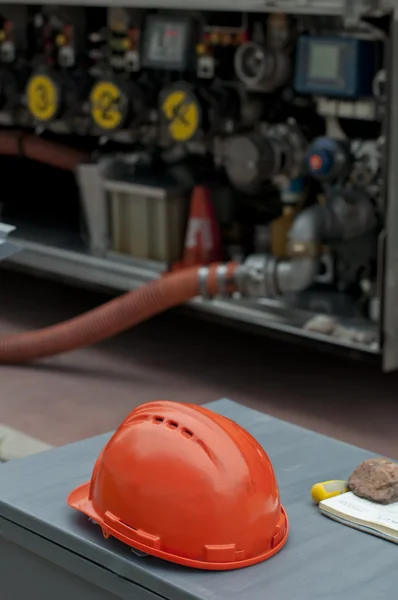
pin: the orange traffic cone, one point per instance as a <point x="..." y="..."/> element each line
<point x="203" y="239"/>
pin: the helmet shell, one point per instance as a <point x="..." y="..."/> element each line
<point x="187" y="485"/>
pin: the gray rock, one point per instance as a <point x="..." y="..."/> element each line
<point x="376" y="479"/>
<point x="321" y="324"/>
<point x="326" y="325"/>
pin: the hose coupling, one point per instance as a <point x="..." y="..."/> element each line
<point x="218" y="280"/>
<point x="256" y="277"/>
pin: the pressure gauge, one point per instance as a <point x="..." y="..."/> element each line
<point x="260" y="68"/>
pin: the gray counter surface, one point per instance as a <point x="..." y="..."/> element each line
<point x="322" y="558"/>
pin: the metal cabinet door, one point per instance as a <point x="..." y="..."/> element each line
<point x="390" y="288"/>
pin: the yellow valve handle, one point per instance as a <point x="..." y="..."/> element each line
<point x="42" y="98"/>
<point x="182" y="113"/>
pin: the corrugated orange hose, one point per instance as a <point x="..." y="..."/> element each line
<point x="111" y="318"/>
<point x="114" y="316"/>
<point x="14" y="143"/>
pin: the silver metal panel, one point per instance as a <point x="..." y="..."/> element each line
<point x="321" y="7"/>
<point x="93" y="199"/>
<point x="77" y="265"/>
<point x="390" y="300"/>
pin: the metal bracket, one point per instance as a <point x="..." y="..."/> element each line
<point x="352" y="10"/>
<point x="93" y="200"/>
<point x="356" y="9"/>
<point x="7" y="249"/>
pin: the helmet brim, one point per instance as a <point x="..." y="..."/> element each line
<point x="79" y="499"/>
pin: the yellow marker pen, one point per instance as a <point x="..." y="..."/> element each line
<point x="328" y="489"/>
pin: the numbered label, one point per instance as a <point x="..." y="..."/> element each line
<point x="108" y="105"/>
<point x="183" y="115"/>
<point x="42" y="98"/>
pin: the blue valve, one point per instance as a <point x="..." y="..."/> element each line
<point x="320" y="162"/>
<point x="325" y="158"/>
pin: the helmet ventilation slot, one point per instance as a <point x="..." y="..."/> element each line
<point x="186" y="432"/>
<point x="170" y="424"/>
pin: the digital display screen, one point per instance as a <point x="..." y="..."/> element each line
<point x="166" y="42"/>
<point x="324" y="61"/>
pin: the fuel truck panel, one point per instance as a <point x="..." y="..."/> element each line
<point x="283" y="110"/>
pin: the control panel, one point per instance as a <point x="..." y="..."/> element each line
<point x="287" y="113"/>
<point x="336" y="66"/>
<point x="167" y="43"/>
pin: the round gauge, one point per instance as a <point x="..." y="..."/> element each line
<point x="252" y="63"/>
<point x="251" y="159"/>
<point x="261" y="68"/>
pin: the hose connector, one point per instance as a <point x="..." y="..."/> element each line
<point x="218" y="280"/>
<point x="255" y="278"/>
<point x="265" y="276"/>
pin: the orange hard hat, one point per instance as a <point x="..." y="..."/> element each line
<point x="187" y="485"/>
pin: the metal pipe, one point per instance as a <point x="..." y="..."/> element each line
<point x="342" y="217"/>
<point x="296" y="275"/>
<point x="309" y="228"/>
<point x="266" y="276"/>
